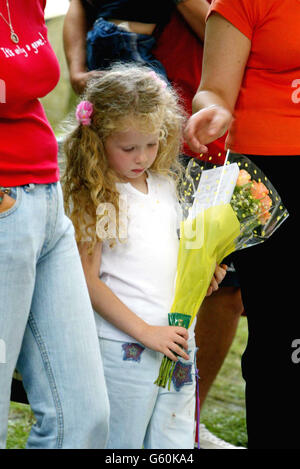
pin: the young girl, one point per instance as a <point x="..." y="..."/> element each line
<point x="120" y="189"/>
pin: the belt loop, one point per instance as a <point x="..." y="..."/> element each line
<point x="29" y="187"/>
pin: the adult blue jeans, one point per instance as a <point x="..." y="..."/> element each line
<point x="108" y="43"/>
<point x="47" y="324"/>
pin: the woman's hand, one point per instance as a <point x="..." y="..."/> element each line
<point x="79" y="80"/>
<point x="218" y="276"/>
<point x="7" y="203"/>
<point x="167" y="340"/>
<point x="205" y="126"/>
<point x="225" y="57"/>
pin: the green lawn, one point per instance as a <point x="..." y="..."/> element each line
<point x="224" y="409"/>
<point x="19" y="424"/>
<point x="223" y="412"/>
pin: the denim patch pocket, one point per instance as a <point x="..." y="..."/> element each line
<point x="15" y="193"/>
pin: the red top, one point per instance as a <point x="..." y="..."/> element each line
<point x="267" y="112"/>
<point x="180" y="51"/>
<point x="28" y="70"/>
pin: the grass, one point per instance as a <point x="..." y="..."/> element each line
<point x="223" y="412"/>
<point x="19" y="425"/>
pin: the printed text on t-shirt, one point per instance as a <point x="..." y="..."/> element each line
<point x="32" y="48"/>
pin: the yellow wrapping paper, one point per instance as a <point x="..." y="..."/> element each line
<point x="205" y="241"/>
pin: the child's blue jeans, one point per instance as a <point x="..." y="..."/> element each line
<point x="108" y="43"/>
<point x="143" y="414"/>
<point x="47" y="324"/>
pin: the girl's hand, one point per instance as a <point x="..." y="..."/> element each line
<point x="218" y="276"/>
<point x="166" y="339"/>
<point x="205" y="126"/>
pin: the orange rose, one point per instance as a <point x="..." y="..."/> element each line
<point x="264" y="217"/>
<point x="265" y="205"/>
<point x="258" y="190"/>
<point x="244" y="178"/>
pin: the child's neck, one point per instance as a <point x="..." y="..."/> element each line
<point x="140" y="183"/>
<point x="141" y="186"/>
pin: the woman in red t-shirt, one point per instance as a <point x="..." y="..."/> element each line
<point x="46" y="321"/>
<point x="250" y="84"/>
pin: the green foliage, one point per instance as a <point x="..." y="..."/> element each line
<point x="244" y="205"/>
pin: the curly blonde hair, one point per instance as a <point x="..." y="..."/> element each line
<point x="123" y="96"/>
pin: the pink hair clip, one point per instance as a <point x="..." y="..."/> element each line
<point x="156" y="78"/>
<point x="84" y="111"/>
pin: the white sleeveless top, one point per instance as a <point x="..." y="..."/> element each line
<point x="141" y="271"/>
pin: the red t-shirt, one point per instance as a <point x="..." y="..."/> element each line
<point x="180" y="51"/>
<point x="267" y="113"/>
<point x="28" y="70"/>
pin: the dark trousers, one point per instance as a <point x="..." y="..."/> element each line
<point x="108" y="43"/>
<point x="268" y="274"/>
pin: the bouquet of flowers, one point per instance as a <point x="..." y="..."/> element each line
<point x="225" y="208"/>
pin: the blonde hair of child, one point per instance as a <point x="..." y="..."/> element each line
<point x="123" y="97"/>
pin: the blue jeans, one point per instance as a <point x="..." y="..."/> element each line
<point x="107" y="43"/>
<point x="47" y="324"/>
<point x="143" y="414"/>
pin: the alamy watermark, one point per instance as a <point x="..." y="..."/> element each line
<point x="111" y="225"/>
<point x="2" y="352"/>
<point x="296" y="353"/>
<point x="106" y="226"/>
<point x="296" y="93"/>
<point x="2" y="91"/>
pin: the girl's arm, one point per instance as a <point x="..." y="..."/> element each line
<point x="164" y="339"/>
<point x="194" y="12"/>
<point x="226" y="52"/>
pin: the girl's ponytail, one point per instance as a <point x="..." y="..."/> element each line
<point x="82" y="179"/>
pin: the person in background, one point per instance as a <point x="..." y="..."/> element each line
<point x="250" y="85"/>
<point x="46" y="318"/>
<point x="219" y="314"/>
<point x="100" y="33"/>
